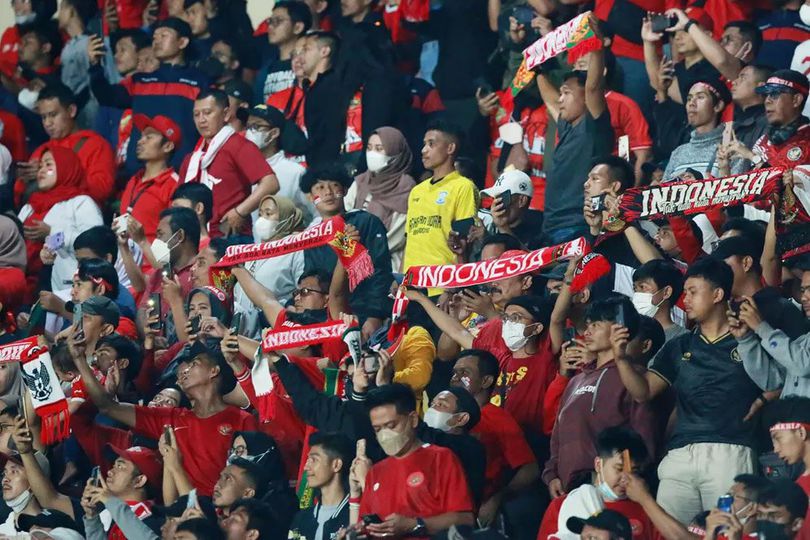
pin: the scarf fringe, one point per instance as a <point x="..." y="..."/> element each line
<point x="582" y="48"/>
<point x="55" y="422"/>
<point x="359" y="268"/>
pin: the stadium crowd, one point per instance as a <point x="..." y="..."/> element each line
<point x="454" y="269"/>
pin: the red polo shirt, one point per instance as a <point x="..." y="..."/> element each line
<point x="154" y="284"/>
<point x="146" y="199"/>
<point x="505" y="445"/>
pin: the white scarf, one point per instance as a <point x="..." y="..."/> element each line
<point x="201" y="159"/>
<point x="260" y="374"/>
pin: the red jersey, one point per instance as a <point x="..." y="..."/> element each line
<point x="535" y="123"/>
<point x="130" y="13"/>
<point x="145" y="200"/>
<point x="804" y="483"/>
<point x="13" y="136"/>
<point x="607" y="10"/>
<point x="626" y="118"/>
<point x="427" y="482"/>
<point x="640" y="523"/>
<point x="505" y="445"/>
<point x="522" y="384"/>
<point x="354" y="124"/>
<point x="237" y="166"/>
<point x="9" y="48"/>
<point x="795" y="151"/>
<point x="204" y="442"/>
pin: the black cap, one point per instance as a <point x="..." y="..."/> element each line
<point x="239" y="89"/>
<point x="539" y="308"/>
<point x="47" y="519"/>
<point x="556" y="273"/>
<point x="735" y="245"/>
<point x="103" y="307"/>
<point x="178" y="25"/>
<point x="785" y="80"/>
<point x="717" y="88"/>
<point x="606" y="520"/>
<point x="269" y="114"/>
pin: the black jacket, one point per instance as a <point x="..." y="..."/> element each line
<point x="370" y="298"/>
<point x="330" y="413"/>
<point x="305" y="523"/>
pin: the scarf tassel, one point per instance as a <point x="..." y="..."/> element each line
<point x="583" y="47"/>
<point x="359" y="268"/>
<point x="55" y="422"/>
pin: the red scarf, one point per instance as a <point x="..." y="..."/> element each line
<point x="302" y="336"/>
<point x="452" y="276"/>
<point x="353" y="255"/>
<point x="70" y="182"/>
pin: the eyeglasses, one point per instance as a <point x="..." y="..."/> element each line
<point x="514" y="317"/>
<point x="304" y="291"/>
<point x="264" y="128"/>
<point x="274" y="21"/>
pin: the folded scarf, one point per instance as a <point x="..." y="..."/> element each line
<point x="202" y="156"/>
<point x="575" y="36"/>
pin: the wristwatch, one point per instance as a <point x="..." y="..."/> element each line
<point x="420" y="529"/>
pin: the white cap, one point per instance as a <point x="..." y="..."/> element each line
<point x="518" y="182"/>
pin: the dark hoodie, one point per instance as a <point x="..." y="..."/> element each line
<point x="594" y="399"/>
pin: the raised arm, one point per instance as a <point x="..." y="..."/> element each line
<point x="258" y="294"/>
<point x="562" y="306"/>
<point x="643" y="249"/>
<point x="550" y="95"/>
<point x="727" y="64"/>
<point x="595" y="81"/>
<point x="444" y="321"/>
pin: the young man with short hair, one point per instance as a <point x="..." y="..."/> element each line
<point x="288" y="22"/>
<point x="250" y="519"/>
<point x="327" y="467"/>
<point x="228" y="164"/>
<point x="437" y="495"/>
<point x="73" y="17"/>
<point x="241" y="478"/>
<point x="704" y="368"/>
<point x="434" y="204"/>
<point x="196" y="15"/>
<point x="197" y="197"/>
<point x="657" y="286"/>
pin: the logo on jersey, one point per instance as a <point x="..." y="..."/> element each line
<point x="441" y="198"/>
<point x="416" y="479"/>
<point x="794" y="154"/>
<point x="637" y="527"/>
<point x="225" y="429"/>
<point x="735" y="355"/>
<point x="687" y="356"/>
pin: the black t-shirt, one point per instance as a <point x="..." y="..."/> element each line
<point x="699" y="71"/>
<point x="781" y="313"/>
<point x="713" y="391"/>
<point x="623" y="261"/>
<point x="530" y="229"/>
<point x="577" y="146"/>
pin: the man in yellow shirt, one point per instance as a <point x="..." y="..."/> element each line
<point x="437" y="202"/>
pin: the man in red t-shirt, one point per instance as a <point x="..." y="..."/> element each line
<point x="204" y="432"/>
<point x="419" y="489"/>
<point x="228" y="164"/>
<point x="790" y="433"/>
<point x="150" y="190"/>
<point x="511" y="466"/>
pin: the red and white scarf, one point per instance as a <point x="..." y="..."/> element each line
<point x="353" y="255"/>
<point x="203" y="156"/>
<point x="43" y="385"/>
<point x="453" y="276"/>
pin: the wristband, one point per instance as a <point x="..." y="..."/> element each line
<point x="689" y="25"/>
<point x="354" y="500"/>
<point x="762" y="398"/>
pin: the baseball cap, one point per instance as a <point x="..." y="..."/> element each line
<point x="47" y="519"/>
<point x="103" y="307"/>
<point x="239" y="89"/>
<point x="145" y="459"/>
<point x="539" y="308"/>
<point x="556" y="273"/>
<point x="735" y="245"/>
<point x="42" y="461"/>
<point x="518" y="182"/>
<point x="785" y="80"/>
<point x="178" y="25"/>
<point x="606" y="520"/>
<point x="271" y="115"/>
<point x="162" y="124"/>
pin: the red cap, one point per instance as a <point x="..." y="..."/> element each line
<point x="702" y="17"/>
<point x="146" y="460"/>
<point x="162" y="124"/>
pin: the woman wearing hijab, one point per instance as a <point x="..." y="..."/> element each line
<point x="60" y="208"/>
<point x="383" y="189"/>
<point x="12" y="275"/>
<point x="278" y="217"/>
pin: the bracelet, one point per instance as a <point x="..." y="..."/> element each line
<point x="762" y="398"/>
<point x="689" y="25"/>
<point x="238" y="213"/>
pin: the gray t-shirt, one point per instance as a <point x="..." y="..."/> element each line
<point x="324" y="514"/>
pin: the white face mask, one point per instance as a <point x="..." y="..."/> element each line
<point x="259" y="138"/>
<point x="376" y="161"/>
<point x="438" y="419"/>
<point x="18" y="503"/>
<point x="264" y="228"/>
<point x="25" y="19"/>
<point x="804" y="14"/>
<point x="643" y="303"/>
<point x="162" y="251"/>
<point x="512" y="334"/>
<point x="28" y="98"/>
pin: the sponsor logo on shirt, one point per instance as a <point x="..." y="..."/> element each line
<point x="794" y="154"/>
<point x="636" y="526"/>
<point x="735" y="355"/>
<point x="225" y="429"/>
<point x="416" y="479"/>
<point x="587" y="389"/>
<point x="441" y="198"/>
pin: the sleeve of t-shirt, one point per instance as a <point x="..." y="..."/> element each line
<point x="636" y="127"/>
<point x="454" y="489"/>
<point x="149" y="421"/>
<point x="251" y="162"/>
<point x="466" y="201"/>
<point x="603" y="133"/>
<point x="667" y="361"/>
<point x="489" y="338"/>
<point x="516" y="450"/>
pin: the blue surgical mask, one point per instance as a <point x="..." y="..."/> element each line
<point x="607" y="492"/>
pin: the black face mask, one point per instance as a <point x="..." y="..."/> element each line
<point x="768" y="530"/>
<point x="780" y="134"/>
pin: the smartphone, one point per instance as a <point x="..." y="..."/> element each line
<point x="167" y="434"/>
<point x="462" y="226"/>
<point x="368" y="519"/>
<point x="192" y="498"/>
<point x="598" y="203"/>
<point x="236" y="323"/>
<point x="79" y="335"/>
<point x="523" y="15"/>
<point x="624" y="147"/>
<point x="154" y="308"/>
<point x="371" y="362"/>
<point x="195" y="324"/>
<point x="95" y="476"/>
<point x="167" y="271"/>
<point x="620" y="315"/>
<point x="55" y="241"/>
<point x="480" y="83"/>
<point x="725" y="502"/>
<point x="505" y="198"/>
<point x="660" y="23"/>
